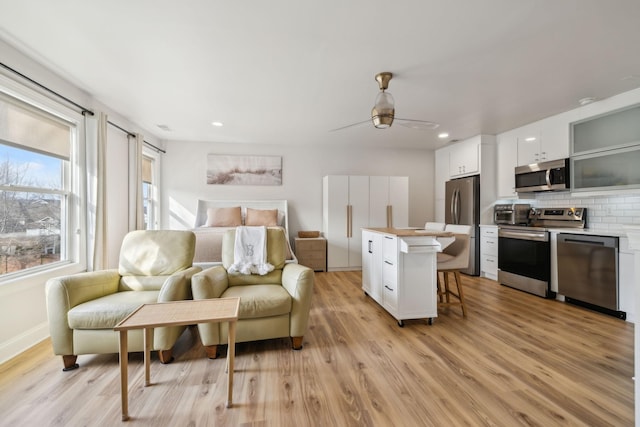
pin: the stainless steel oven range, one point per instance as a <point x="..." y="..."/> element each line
<point x="524" y="252"/>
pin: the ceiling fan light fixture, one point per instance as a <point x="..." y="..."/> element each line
<point x="383" y="111"/>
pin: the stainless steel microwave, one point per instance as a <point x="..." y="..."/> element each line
<point x="545" y="176"/>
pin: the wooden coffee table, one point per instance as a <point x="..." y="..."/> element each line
<point x="149" y="316"/>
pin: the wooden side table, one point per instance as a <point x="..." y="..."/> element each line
<point x="312" y="252"/>
<point x="190" y="312"/>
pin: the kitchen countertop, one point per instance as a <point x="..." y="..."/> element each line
<point x="586" y="231"/>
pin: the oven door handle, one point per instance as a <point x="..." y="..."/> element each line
<point x="523" y="235"/>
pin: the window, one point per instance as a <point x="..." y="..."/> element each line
<point x="35" y="152"/>
<point x="149" y="203"/>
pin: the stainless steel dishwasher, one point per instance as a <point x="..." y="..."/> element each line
<point x="588" y="271"/>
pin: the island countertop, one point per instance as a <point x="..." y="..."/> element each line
<point x="410" y="232"/>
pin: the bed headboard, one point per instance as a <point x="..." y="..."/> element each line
<point x="281" y="205"/>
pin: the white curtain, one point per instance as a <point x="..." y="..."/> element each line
<point x="136" y="213"/>
<point x="96" y="138"/>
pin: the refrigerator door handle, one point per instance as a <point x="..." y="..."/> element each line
<point x="456" y="211"/>
<point x="452" y="205"/>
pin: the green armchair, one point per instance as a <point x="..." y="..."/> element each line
<point x="154" y="266"/>
<point x="274" y="305"/>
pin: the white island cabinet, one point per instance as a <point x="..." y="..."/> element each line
<point x="399" y="270"/>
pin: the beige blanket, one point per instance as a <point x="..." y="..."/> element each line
<point x="209" y="244"/>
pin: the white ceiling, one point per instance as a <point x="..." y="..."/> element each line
<point x="287" y="72"/>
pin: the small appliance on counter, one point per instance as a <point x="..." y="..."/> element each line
<point x="511" y="214"/>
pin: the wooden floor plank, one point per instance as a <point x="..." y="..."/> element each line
<point x="516" y="359"/>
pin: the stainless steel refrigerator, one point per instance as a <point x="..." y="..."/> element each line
<point x="462" y="206"/>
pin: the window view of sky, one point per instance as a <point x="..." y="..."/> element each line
<point x="30" y="168"/>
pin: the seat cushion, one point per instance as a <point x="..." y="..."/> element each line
<point x="106" y="312"/>
<point x="260" y="300"/>
<point x="442" y="257"/>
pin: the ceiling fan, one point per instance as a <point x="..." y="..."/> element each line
<point x="383" y="111"/>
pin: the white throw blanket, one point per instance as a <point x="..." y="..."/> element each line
<point x="250" y="251"/>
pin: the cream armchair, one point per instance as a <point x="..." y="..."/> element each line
<point x="275" y="305"/>
<point x="154" y="266"/>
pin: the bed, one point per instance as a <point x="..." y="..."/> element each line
<point x="215" y="217"/>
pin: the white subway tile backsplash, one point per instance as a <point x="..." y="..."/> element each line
<point x="603" y="212"/>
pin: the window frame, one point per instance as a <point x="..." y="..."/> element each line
<point x="74" y="185"/>
<point x="155" y="186"/>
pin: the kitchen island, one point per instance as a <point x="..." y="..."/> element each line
<point x="399" y="268"/>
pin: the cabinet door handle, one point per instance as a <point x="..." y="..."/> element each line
<point x="388" y="288"/>
<point x="387" y="262"/>
<point x="370" y="246"/>
<point x="389" y="216"/>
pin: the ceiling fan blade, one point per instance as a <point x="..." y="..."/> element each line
<point x="351" y="125"/>
<point x="417" y="124"/>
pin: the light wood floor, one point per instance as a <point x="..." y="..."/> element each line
<point x="517" y="359"/>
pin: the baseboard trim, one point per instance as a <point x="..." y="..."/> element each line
<point x="21" y="343"/>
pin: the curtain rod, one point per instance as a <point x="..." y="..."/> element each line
<point x="158" y="149"/>
<point x="84" y="110"/>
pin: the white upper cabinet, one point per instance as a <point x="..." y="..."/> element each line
<point x="473" y="156"/>
<point x="555" y="137"/>
<point x="507" y="146"/>
<point x="545" y="140"/>
<point x="464" y="158"/>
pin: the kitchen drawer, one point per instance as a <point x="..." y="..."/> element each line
<point x="390" y="250"/>
<point x="390" y="295"/>
<point x="489" y="246"/>
<point x="489" y="266"/>
<point x="489" y="232"/>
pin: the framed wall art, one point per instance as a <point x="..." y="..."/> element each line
<point x="244" y="170"/>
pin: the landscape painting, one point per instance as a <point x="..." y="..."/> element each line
<point x="244" y="170"/>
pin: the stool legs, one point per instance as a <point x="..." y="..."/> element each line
<point x="444" y="295"/>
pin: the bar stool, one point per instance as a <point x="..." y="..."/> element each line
<point x="435" y="226"/>
<point x="452" y="259"/>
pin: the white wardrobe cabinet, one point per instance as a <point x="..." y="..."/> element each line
<point x="345" y="211"/>
<point x="350" y="203"/>
<point x="389" y="201"/>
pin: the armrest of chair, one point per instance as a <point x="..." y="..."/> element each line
<point x="210" y="283"/>
<point x="299" y="280"/>
<point x="65" y="292"/>
<point x="177" y="287"/>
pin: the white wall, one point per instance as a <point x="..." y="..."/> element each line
<point x="184" y="179"/>
<point x="23" y="316"/>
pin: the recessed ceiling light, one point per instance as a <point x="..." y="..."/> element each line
<point x="217" y="124"/>
<point x="586" y="100"/>
<point x="531" y="138"/>
<point x="443" y="135"/>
